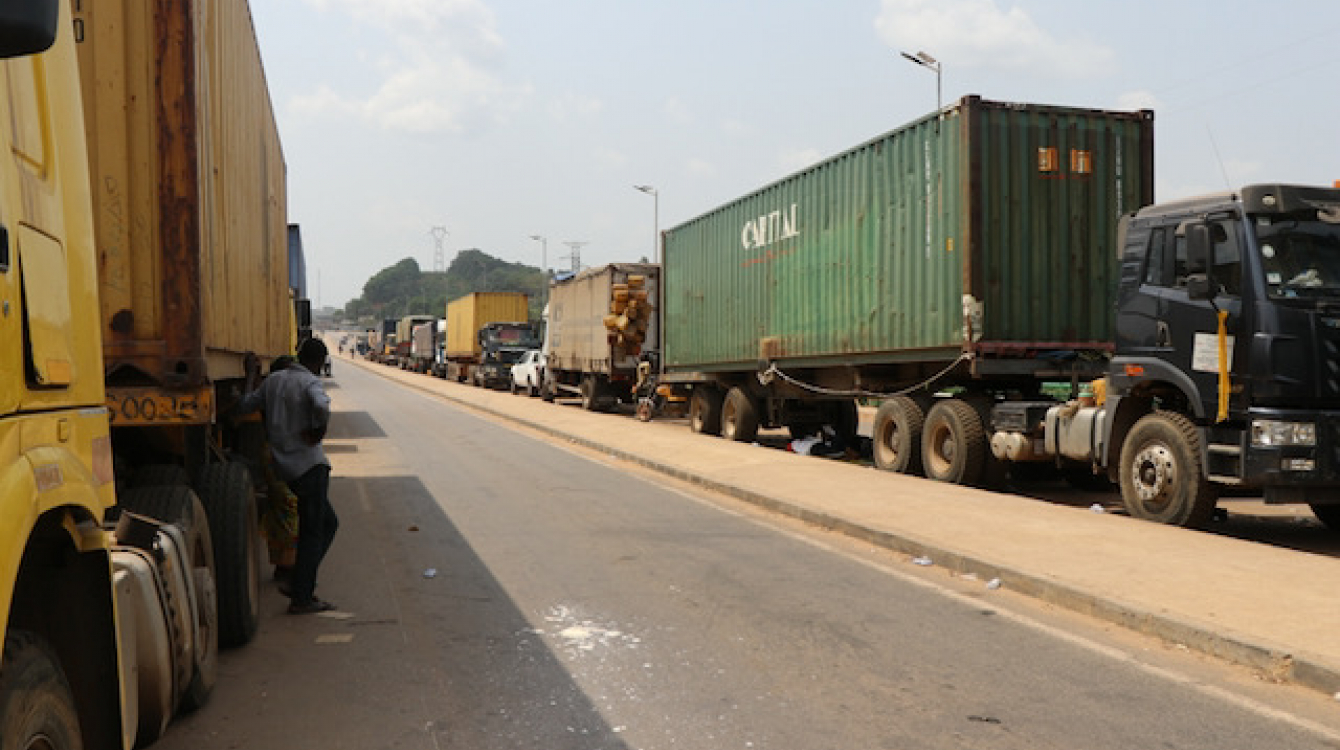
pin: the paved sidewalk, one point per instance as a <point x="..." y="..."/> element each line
<point x="1273" y="609"/>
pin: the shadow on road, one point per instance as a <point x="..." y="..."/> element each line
<point x="352" y="425"/>
<point x="488" y="678"/>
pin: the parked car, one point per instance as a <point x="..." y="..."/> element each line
<point x="528" y="373"/>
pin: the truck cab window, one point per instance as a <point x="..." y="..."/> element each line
<point x="1227" y="258"/>
<point x="1300" y="258"/>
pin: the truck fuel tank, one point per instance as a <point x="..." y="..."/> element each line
<point x="1076" y="432"/>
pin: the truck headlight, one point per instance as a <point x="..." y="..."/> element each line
<point x="1270" y="433"/>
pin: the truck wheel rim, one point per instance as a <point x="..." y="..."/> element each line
<point x="942" y="448"/>
<point x="1154" y="471"/>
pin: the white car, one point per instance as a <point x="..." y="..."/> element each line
<point x="528" y="373"/>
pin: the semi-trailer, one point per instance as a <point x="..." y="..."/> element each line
<point x="189" y="197"/>
<point x="107" y="591"/>
<point x="297" y="283"/>
<point x="424" y="347"/>
<point x="957" y="267"/>
<point x="598" y="324"/>
<point x="404" y="338"/>
<point x="480" y="326"/>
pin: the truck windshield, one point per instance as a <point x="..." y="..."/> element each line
<point x="1300" y="258"/>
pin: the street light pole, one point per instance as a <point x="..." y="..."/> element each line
<point x="655" y="220"/>
<point x="544" y="267"/>
<point x="926" y="61"/>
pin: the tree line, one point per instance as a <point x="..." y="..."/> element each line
<point x="405" y="289"/>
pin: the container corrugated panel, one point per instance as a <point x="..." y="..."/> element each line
<point x="466" y="315"/>
<point x="578" y="339"/>
<point x="987" y="228"/>
<point x="188" y="187"/>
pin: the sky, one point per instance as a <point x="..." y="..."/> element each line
<point x="482" y="123"/>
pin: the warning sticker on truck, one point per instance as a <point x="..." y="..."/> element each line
<point x="1205" y="353"/>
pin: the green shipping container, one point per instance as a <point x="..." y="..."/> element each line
<point x="986" y="229"/>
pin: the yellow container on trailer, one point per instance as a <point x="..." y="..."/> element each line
<point x="188" y="184"/>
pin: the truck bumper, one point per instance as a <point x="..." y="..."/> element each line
<point x="1290" y="473"/>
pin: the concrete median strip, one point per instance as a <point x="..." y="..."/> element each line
<point x="1270" y="609"/>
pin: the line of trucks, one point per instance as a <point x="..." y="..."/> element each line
<point x="997" y="277"/>
<point x="481" y="337"/>
<point x="147" y="275"/>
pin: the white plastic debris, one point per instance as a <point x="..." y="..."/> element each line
<point x="430" y="573"/>
<point x="922" y="561"/>
<point x="993" y="584"/>
<point x="1097" y="508"/>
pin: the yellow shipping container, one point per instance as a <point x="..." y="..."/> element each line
<point x="188" y="185"/>
<point x="466" y="315"/>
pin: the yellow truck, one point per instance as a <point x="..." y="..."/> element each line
<point x="109" y="622"/>
<point x="486" y="333"/>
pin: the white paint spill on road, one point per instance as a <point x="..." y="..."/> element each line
<point x="580" y="636"/>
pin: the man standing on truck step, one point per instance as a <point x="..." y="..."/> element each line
<point x="297" y="411"/>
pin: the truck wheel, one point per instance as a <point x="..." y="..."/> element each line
<point x="180" y="506"/>
<point x="156" y="475"/>
<point x="547" y="391"/>
<point x="897" y="435"/>
<point x="230" y="502"/>
<point x="36" y="704"/>
<point x="953" y="443"/>
<point x="511" y="387"/>
<point x="739" y="416"/>
<point x="1328" y="514"/>
<point x="1161" y="474"/>
<point x="591" y="393"/>
<point x="705" y="411"/>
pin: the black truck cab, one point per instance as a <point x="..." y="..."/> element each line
<point x="1229" y="315"/>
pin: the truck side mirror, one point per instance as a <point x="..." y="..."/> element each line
<point x="1200" y="283"/>
<point x="27" y="26"/>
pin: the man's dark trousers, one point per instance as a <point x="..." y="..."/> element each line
<point x="316" y="529"/>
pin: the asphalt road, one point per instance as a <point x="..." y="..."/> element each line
<point x="499" y="591"/>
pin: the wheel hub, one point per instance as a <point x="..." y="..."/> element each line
<point x="1154" y="471"/>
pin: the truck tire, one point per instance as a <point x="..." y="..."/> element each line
<point x="953" y="443"/>
<point x="547" y="391"/>
<point x="705" y="411"/>
<point x="591" y="393"/>
<point x="36" y="703"/>
<point x="156" y="475"/>
<point x="739" y="416"/>
<point x="897" y="435"/>
<point x="1161" y="475"/>
<point x="1328" y="514"/>
<point x="176" y="504"/>
<point x="230" y="502"/>
<point x="512" y="387"/>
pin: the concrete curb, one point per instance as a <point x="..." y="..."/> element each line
<point x="1281" y="664"/>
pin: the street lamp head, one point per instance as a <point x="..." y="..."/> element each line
<point x="922" y="59"/>
<point x="648" y="189"/>
<point x="536" y="237"/>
